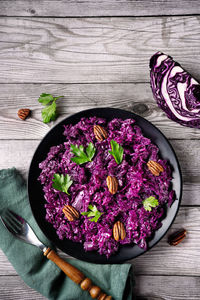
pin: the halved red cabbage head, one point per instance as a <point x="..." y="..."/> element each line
<point x="175" y="90"/>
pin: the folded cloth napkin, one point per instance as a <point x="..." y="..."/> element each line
<point x="40" y="273"/>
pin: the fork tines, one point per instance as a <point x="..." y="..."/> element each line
<point x="12" y="221"/>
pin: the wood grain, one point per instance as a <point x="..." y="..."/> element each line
<point x="163" y="259"/>
<point x="12" y="287"/>
<point x="146" y="288"/>
<point x="71" y="8"/>
<point x="90" y="50"/>
<point x="135" y="97"/>
<point x="97" y="62"/>
<point x="167" y="288"/>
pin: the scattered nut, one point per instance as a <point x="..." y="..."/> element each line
<point x="177" y="237"/>
<point x="70" y="213"/>
<point x="154" y="167"/>
<point x="112" y="184"/>
<point x="119" y="232"/>
<point x="100" y="133"/>
<point x="23" y="113"/>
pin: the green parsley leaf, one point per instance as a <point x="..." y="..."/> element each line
<point x="62" y="183"/>
<point x="85" y="213"/>
<point x="81" y="156"/>
<point x="117" y="152"/>
<point x="45" y="98"/>
<point x="49" y="112"/>
<point x="92" y="213"/>
<point x="150" y="202"/>
<point x="90" y="151"/>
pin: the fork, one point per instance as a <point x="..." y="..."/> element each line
<point x="22" y="230"/>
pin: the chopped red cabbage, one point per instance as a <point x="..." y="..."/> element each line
<point x="136" y="183"/>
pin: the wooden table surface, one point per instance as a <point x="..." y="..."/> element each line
<point x="96" y="53"/>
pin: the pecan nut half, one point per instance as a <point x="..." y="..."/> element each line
<point x="100" y="133"/>
<point x="177" y="237"/>
<point x="112" y="184"/>
<point x="154" y="167"/>
<point x="23" y="113"/>
<point x="70" y="213"/>
<point x="119" y="232"/>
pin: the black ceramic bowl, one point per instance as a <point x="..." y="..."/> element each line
<point x="36" y="195"/>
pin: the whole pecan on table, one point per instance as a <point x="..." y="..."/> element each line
<point x="23" y="113"/>
<point x="177" y="237"/>
<point x="70" y="213"/>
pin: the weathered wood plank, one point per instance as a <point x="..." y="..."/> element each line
<point x="83" y="50"/>
<point x="167" y="288"/>
<point x="101" y="50"/>
<point x="163" y="259"/>
<point x="146" y="288"/>
<point x="13" y="287"/>
<point x="92" y="8"/>
<point x="133" y="97"/>
<point x="19" y="153"/>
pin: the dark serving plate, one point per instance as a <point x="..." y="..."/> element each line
<point x="36" y="195"/>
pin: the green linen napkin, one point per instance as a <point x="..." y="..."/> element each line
<point x="40" y="273"/>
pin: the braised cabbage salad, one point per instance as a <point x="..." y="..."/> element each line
<point x="106" y="185"/>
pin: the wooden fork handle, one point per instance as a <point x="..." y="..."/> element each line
<point x="77" y="276"/>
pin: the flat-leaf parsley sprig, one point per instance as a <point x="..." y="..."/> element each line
<point x="81" y="155"/>
<point x="62" y="183"/>
<point x="150" y="202"/>
<point x="93" y="212"/>
<point x="117" y="151"/>
<point x="49" y="112"/>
